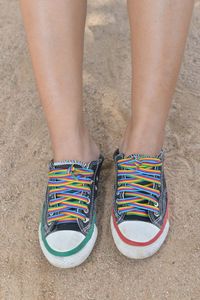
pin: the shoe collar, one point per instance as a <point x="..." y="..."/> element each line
<point x="78" y="163"/>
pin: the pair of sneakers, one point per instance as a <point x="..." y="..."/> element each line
<point x="139" y="218"/>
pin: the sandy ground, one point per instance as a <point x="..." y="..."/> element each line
<point x="174" y="273"/>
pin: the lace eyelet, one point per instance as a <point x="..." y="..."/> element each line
<point x="86" y="211"/>
<point x="86" y="220"/>
<point x="157" y="214"/>
<point x="95" y="187"/>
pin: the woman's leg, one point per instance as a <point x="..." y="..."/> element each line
<point x="158" y="30"/>
<point x="55" y="33"/>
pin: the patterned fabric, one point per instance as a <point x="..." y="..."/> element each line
<point x="138" y="185"/>
<point x="69" y="194"/>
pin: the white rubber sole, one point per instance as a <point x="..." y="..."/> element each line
<point x="72" y="260"/>
<point x="138" y="252"/>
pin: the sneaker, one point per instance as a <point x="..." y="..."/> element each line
<point x="139" y="220"/>
<point x="67" y="229"/>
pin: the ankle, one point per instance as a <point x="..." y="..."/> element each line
<point x="78" y="145"/>
<point x="142" y="139"/>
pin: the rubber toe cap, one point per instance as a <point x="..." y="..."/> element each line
<point x="64" y="240"/>
<point x="138" y="231"/>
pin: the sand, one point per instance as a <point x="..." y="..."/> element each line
<point x="174" y="273"/>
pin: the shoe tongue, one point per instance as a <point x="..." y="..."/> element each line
<point x="138" y="155"/>
<point x="120" y="155"/>
<point x="65" y="164"/>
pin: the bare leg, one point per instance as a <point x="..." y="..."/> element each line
<point x="55" y="33"/>
<point x="159" y="30"/>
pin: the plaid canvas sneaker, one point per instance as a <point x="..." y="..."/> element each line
<point x="67" y="229"/>
<point x="139" y="220"/>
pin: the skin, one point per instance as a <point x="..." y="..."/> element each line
<point x="158" y="32"/>
<point x="55" y="35"/>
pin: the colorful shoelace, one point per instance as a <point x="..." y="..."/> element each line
<point x="69" y="194"/>
<point x="138" y="182"/>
